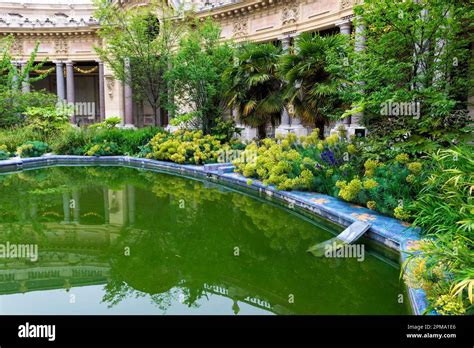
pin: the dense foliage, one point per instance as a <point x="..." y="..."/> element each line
<point x="414" y="52"/>
<point x="414" y="165"/>
<point x="196" y="75"/>
<point x="255" y="87"/>
<point x="185" y="147"/>
<point x="336" y="167"/>
<point x="13" y="102"/>
<point x="313" y="78"/>
<point x="32" y="149"/>
<point x="444" y="209"/>
<point x="139" y="45"/>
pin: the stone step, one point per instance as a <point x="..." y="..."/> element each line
<point x="348" y="236"/>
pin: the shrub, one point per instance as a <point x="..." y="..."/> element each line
<point x="349" y="191"/>
<point x="445" y="204"/>
<point x="444" y="210"/>
<point x="48" y="120"/>
<point x="185" y="147"/>
<point x="225" y="130"/>
<point x="14" y="103"/>
<point x="277" y="164"/>
<point x="4" y="154"/>
<point x="109" y="123"/>
<point x="336" y="167"/>
<point x="32" y="149"/>
<point x="72" y="141"/>
<point x="307" y="163"/>
<point x="103" y="149"/>
<point x="13" y="137"/>
<point x="130" y="141"/>
<point x="79" y="141"/>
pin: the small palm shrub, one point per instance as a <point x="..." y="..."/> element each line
<point x="255" y="87"/>
<point x="32" y="149"/>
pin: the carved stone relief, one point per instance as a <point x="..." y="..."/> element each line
<point x="17" y="47"/>
<point x="346" y="4"/>
<point x="61" y="45"/>
<point x="110" y="84"/>
<point x="240" y="27"/>
<point x="290" y="14"/>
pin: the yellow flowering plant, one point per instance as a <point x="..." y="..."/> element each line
<point x="183" y="146"/>
<point x="103" y="149"/>
<point x="32" y="149"/>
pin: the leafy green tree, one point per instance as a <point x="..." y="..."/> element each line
<point x="255" y="87"/>
<point x="313" y="77"/>
<point x="416" y="51"/>
<point x="144" y="35"/>
<point x="14" y="103"/>
<point x="196" y="74"/>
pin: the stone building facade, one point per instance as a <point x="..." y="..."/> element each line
<point x="67" y="33"/>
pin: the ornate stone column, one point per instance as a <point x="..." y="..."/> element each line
<point x="101" y="91"/>
<point x="71" y="96"/>
<point x="60" y="90"/>
<point x="128" y="102"/>
<point x="246" y="133"/>
<point x="360" y="42"/>
<point x="15" y="75"/>
<point x="289" y="122"/>
<point x="284" y="127"/>
<point x="345" y="28"/>
<point x="25" y="86"/>
<point x="359" y="46"/>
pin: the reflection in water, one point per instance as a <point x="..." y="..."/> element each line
<point x="125" y="238"/>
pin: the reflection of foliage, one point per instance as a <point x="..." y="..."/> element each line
<point x="281" y="231"/>
<point x="178" y="253"/>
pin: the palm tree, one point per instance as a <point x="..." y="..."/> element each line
<point x="312" y="86"/>
<point x="255" y="88"/>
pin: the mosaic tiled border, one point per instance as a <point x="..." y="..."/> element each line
<point x="390" y="232"/>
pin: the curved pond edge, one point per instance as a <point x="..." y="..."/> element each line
<point x="384" y="230"/>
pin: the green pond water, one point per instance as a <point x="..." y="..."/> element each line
<point x="114" y="240"/>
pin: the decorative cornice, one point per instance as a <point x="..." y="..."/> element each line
<point x="42" y="16"/>
<point x="18" y="33"/>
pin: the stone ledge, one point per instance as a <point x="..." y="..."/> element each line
<point x="390" y="232"/>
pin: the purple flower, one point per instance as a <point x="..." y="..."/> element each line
<point x="328" y="157"/>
